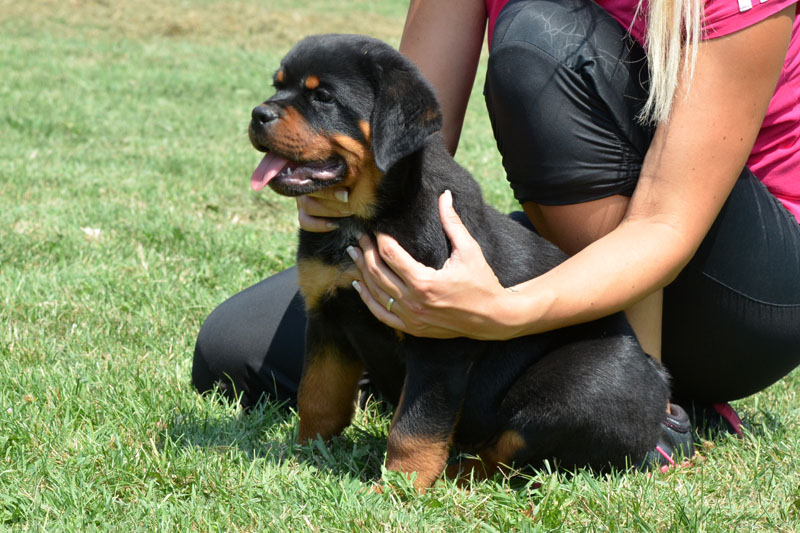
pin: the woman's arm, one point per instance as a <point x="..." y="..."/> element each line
<point x="444" y="38"/>
<point x="689" y="171"/>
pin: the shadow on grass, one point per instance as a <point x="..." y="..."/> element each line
<point x="268" y="432"/>
<point x="764" y="424"/>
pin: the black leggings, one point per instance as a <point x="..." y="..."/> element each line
<point x="563" y="89"/>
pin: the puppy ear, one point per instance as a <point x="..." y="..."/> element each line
<point x="406" y="111"/>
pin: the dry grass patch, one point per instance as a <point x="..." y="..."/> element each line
<point x="248" y="24"/>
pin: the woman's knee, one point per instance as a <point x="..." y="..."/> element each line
<point x="218" y="361"/>
<point x="252" y="344"/>
<point x="563" y="92"/>
<point x="569" y="31"/>
<point x="576" y="34"/>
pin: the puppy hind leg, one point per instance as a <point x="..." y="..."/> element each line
<point x="593" y="403"/>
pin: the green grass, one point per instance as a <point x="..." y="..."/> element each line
<point x="125" y="217"/>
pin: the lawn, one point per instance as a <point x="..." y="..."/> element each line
<point x="126" y="218"/>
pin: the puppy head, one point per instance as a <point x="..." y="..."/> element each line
<point x="345" y="110"/>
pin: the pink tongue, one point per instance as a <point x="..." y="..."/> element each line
<point x="267" y="169"/>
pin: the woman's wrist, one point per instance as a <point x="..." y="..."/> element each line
<point x="512" y="313"/>
<point x="527" y="309"/>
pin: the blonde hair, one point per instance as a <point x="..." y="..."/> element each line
<point x="673" y="33"/>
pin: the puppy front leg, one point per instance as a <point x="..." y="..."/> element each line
<point x="326" y="397"/>
<point x="422" y="428"/>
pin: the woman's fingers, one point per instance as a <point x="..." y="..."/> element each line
<point x="312" y="223"/>
<point x="380" y="280"/>
<point x="454" y="227"/>
<point x="423" y="301"/>
<point x="317" y="212"/>
<point x="334" y="194"/>
<point x="398" y="261"/>
<point x="387" y="316"/>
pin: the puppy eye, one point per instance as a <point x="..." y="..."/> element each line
<point x="322" y="95"/>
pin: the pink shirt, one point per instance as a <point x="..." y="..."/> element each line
<point x="775" y="158"/>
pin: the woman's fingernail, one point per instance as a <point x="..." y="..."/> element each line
<point x="448" y="197"/>
<point x="341" y="194"/>
<point x="357" y="286"/>
<point x="352" y="253"/>
<point x="332" y="225"/>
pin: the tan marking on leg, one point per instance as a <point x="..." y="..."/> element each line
<point x="327" y="394"/>
<point x="462" y="470"/>
<point x="318" y="280"/>
<point x="426" y="456"/>
<point x="311" y="82"/>
<point x="494" y="459"/>
<point x="504" y="450"/>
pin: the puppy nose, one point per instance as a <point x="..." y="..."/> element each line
<point x="264" y="114"/>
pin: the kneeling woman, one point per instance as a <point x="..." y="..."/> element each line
<point x="678" y="197"/>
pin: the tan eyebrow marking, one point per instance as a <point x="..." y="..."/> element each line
<point x="312" y="82"/>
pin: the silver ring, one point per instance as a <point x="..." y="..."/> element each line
<point x="389" y="304"/>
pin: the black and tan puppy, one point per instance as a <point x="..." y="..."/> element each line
<point x="351" y="111"/>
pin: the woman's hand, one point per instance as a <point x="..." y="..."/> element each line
<point x="462" y="299"/>
<point x="315" y="211"/>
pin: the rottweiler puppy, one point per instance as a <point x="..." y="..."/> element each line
<point x="352" y="111"/>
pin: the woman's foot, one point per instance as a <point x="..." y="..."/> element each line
<point x="675" y="444"/>
<point x="715" y="419"/>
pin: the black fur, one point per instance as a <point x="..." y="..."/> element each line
<point x="582" y="396"/>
